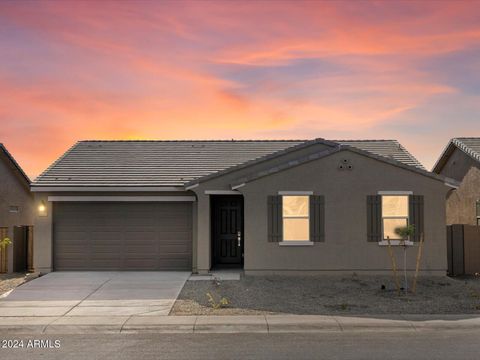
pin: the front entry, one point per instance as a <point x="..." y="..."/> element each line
<point x="227" y="231"/>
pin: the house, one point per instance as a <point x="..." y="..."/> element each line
<point x="278" y="207"/>
<point x="16" y="208"/>
<point x="461" y="161"/>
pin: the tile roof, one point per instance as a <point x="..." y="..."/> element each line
<point x="175" y="163"/>
<point x="469" y="145"/>
<point x="391" y="149"/>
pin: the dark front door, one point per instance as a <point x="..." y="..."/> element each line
<point x="227" y="231"/>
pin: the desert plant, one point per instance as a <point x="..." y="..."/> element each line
<point x="4" y="257"/>
<point x="214" y="304"/>
<point x="405" y="232"/>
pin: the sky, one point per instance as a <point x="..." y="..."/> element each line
<point x="79" y="70"/>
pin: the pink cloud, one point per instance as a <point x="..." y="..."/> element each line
<point x="151" y="69"/>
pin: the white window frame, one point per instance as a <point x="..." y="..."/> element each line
<point x="395" y="242"/>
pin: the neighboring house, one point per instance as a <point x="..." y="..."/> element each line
<point x="16" y="206"/>
<point x="265" y="206"/>
<point x="461" y="161"/>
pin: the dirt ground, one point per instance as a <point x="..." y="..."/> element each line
<point x="11" y="281"/>
<point x="329" y="295"/>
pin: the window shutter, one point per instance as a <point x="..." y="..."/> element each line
<point x="374" y="218"/>
<point x="317" y="218"/>
<point x="275" y="220"/>
<point x="416" y="215"/>
<point x="478" y="208"/>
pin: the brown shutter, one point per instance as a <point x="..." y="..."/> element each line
<point x="275" y="220"/>
<point x="317" y="218"/>
<point x="374" y="218"/>
<point x="416" y="215"/>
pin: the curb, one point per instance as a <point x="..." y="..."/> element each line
<point x="266" y="324"/>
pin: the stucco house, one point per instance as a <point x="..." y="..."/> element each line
<point x="267" y="207"/>
<point x="16" y="208"/>
<point x="460" y="160"/>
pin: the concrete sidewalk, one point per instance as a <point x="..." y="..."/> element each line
<point x="234" y="324"/>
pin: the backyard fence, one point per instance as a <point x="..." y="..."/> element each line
<point x="463" y="249"/>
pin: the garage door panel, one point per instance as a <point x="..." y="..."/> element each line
<point x="122" y="236"/>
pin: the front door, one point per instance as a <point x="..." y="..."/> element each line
<point x="227" y="231"/>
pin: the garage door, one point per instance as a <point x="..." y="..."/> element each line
<point x="122" y="236"/>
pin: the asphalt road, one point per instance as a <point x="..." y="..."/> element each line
<point x="423" y="345"/>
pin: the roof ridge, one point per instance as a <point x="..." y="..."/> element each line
<point x="215" y="140"/>
<point x="367" y="140"/>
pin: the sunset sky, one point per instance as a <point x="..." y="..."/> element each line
<point x="245" y="70"/>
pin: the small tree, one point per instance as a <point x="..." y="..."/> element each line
<point x="405" y="232"/>
<point x="4" y="258"/>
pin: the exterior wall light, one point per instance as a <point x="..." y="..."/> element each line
<point x="42" y="209"/>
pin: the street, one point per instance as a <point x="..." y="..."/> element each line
<point x="348" y="345"/>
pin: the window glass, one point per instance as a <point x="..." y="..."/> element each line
<point x="295" y="206"/>
<point x="296" y="229"/>
<point x="394" y="205"/>
<point x="296" y="222"/>
<point x="389" y="226"/>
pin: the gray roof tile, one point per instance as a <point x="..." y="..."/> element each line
<point x="175" y="163"/>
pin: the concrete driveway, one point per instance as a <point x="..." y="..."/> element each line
<point x="95" y="294"/>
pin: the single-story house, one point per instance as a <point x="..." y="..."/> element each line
<point x="16" y="209"/>
<point x="461" y="161"/>
<point x="272" y="206"/>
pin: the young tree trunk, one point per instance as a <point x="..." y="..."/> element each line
<point x="394" y="266"/>
<point x="417" y="267"/>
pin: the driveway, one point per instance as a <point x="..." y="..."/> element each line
<point x="95" y="294"/>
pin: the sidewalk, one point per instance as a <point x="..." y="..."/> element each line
<point x="233" y="324"/>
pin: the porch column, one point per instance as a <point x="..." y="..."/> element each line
<point x="42" y="233"/>
<point x="203" y="233"/>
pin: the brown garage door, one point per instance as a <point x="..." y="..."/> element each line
<point x="122" y="236"/>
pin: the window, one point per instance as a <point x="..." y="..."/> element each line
<point x="296" y="222"/>
<point x="13" y="209"/>
<point x="394" y="215"/>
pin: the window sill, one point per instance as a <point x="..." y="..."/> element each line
<point x="396" y="243"/>
<point x="295" y="243"/>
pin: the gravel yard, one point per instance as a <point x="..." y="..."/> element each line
<point x="11" y="281"/>
<point x="329" y="295"/>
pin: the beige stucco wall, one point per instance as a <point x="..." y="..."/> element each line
<point x="345" y="247"/>
<point x="13" y="192"/>
<point x="461" y="203"/>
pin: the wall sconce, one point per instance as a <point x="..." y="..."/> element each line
<point x="42" y="209"/>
